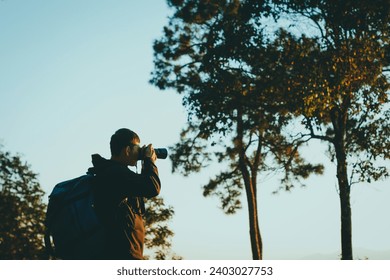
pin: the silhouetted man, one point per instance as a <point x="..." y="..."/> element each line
<point x="120" y="194"/>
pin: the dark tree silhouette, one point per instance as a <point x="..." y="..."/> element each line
<point x="158" y="234"/>
<point x="22" y="210"/>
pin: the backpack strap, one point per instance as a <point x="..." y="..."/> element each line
<point x="48" y="245"/>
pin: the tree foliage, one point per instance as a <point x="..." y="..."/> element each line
<point x="158" y="234"/>
<point x="22" y="210"/>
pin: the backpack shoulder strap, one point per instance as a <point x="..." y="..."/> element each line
<point x="48" y="245"/>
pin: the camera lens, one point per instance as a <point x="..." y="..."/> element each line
<point x="161" y="153"/>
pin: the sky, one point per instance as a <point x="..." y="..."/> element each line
<point x="73" y="72"/>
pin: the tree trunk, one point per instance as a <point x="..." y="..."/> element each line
<point x="345" y="206"/>
<point x="251" y="193"/>
<point x="339" y="122"/>
<point x="254" y="231"/>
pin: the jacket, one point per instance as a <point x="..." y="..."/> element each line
<point x="119" y="203"/>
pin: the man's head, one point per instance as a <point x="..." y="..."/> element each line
<point x="124" y="146"/>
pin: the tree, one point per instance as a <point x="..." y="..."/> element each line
<point x="336" y="75"/>
<point x="158" y="234"/>
<point x="208" y="53"/>
<point x="22" y="210"/>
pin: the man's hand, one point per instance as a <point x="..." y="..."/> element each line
<point x="150" y="153"/>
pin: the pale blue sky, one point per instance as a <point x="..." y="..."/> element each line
<point x="72" y="72"/>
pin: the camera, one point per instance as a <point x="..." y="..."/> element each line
<point x="161" y="153"/>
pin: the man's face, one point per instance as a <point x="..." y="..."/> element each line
<point x="133" y="153"/>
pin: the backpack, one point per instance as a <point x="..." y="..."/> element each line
<point x="71" y="221"/>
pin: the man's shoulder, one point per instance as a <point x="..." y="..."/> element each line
<point x="101" y="164"/>
<point x="117" y="170"/>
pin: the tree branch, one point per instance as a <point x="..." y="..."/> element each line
<point x="314" y="135"/>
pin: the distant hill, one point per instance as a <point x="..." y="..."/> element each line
<point x="358" y="254"/>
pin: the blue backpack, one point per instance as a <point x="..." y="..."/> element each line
<point x="73" y="229"/>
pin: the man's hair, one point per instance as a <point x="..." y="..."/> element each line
<point x="122" y="138"/>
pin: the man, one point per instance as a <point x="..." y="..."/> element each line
<point x="120" y="193"/>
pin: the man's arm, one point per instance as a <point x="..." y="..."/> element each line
<point x="147" y="184"/>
